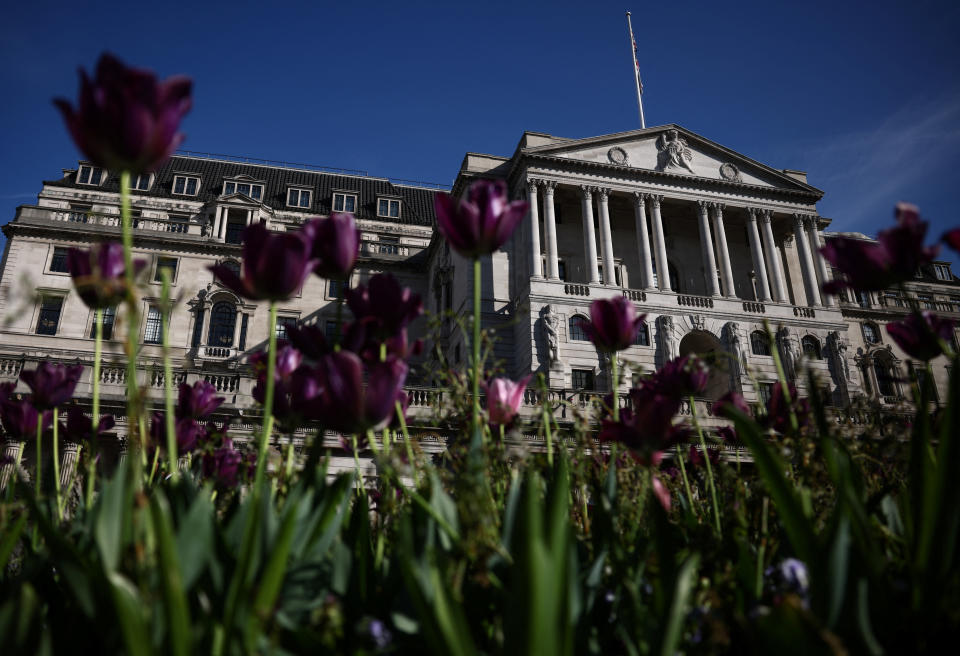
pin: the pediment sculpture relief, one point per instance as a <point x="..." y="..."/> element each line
<point x="673" y="152"/>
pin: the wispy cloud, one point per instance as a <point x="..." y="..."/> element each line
<point x="864" y="172"/>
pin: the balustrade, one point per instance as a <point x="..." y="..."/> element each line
<point x="573" y="289"/>
<point x="637" y="295"/>
<point x="755" y="307"/>
<point x="695" y="301"/>
<point x="223" y="383"/>
<point x="805" y="312"/>
<point x="10" y="368"/>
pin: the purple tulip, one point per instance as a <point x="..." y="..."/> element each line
<point x="383" y="306"/>
<point x="647" y="428"/>
<point x="98" y="274"/>
<point x="504" y="398"/>
<point x="20" y="419"/>
<point x="187" y="432"/>
<point x="125" y="119"/>
<point x="79" y="427"/>
<point x="223" y="463"/>
<point x="197" y="401"/>
<point x="274" y="265"/>
<point x="952" y="239"/>
<point x="730" y="401"/>
<point x="696" y="456"/>
<point x="348" y="406"/>
<point x="661" y="492"/>
<point x="892" y="259"/>
<point x="920" y="335"/>
<point x="52" y="384"/>
<point x="614" y="324"/>
<point x="483" y="223"/>
<point x="310" y="341"/>
<point x="335" y="244"/>
<point x="778" y="410"/>
<point x="680" y="377"/>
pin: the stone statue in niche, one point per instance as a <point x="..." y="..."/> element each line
<point x="551" y="328"/>
<point x="731" y="336"/>
<point x="673" y="152"/>
<point x="665" y="333"/>
<point x="787" y="355"/>
<point x="838" y="349"/>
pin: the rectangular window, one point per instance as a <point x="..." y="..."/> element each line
<point x="253" y="191"/>
<point x="49" y="318"/>
<point x="58" y="263"/>
<point x="345" y="203"/>
<point x="582" y="379"/>
<point x="766" y="392"/>
<point x="140" y="182"/>
<point x="168" y="263"/>
<point x="298" y="198"/>
<point x="925" y="381"/>
<point x="864" y="299"/>
<point x="942" y="271"/>
<point x="243" y="331"/>
<point x="198" y="329"/>
<point x="388" y="245"/>
<point x="109" y="316"/>
<point x="335" y="288"/>
<point x="389" y="208"/>
<point x="562" y="270"/>
<point x="153" y="331"/>
<point x="184" y="185"/>
<point x="926" y="301"/>
<point x="283" y="323"/>
<point x="235" y="231"/>
<point x="892" y="299"/>
<point x="89" y="175"/>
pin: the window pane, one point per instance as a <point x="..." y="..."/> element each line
<point x="109" y="315"/>
<point x="576" y="329"/>
<point x="256" y="192"/>
<point x="395" y="209"/>
<point x="243" y="332"/>
<point x="338" y="202"/>
<point x="178" y="184"/>
<point x="191" y="186"/>
<point x="95" y="176"/>
<point x="243" y="189"/>
<point x="349" y="204"/>
<point x="293" y="197"/>
<point x="223" y="320"/>
<point x="229" y="188"/>
<point x="383" y="210"/>
<point x="49" y="315"/>
<point x="84" y="175"/>
<point x="282" y="324"/>
<point x="152" y="332"/>
<point x="59" y="262"/>
<point x="168" y="263"/>
<point x="304" y="199"/>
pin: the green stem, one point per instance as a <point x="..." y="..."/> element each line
<point x="94" y="446"/>
<point x="133" y="323"/>
<point x="406" y="443"/>
<point x="39" y="454"/>
<point x="761" y="550"/>
<point x="475" y="426"/>
<point x="268" y="399"/>
<point x="686" y="481"/>
<point x="172" y="450"/>
<point x="615" y="396"/>
<point x="547" y="433"/>
<point x="56" y="466"/>
<point x="361" y="488"/>
<point x="288" y="468"/>
<point x="706" y="460"/>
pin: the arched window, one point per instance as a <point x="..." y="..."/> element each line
<point x="871" y="334"/>
<point x="758" y="343"/>
<point x="643" y="335"/>
<point x="223" y="320"/>
<point x="576" y="328"/>
<point x="811" y="348"/>
<point x="886" y="377"/>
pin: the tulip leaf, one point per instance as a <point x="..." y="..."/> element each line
<point x="679" y="605"/>
<point x="110" y="519"/>
<point x="129" y="607"/>
<point x="9" y="541"/>
<point x="273" y="575"/>
<point x="195" y="539"/>
<point x="174" y="599"/>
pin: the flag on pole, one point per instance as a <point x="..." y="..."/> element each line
<point x="636" y="72"/>
<point x="636" y="62"/>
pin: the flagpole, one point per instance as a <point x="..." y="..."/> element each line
<point x="636" y="71"/>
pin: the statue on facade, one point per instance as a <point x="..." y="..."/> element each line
<point x="731" y="336"/>
<point x="665" y="334"/>
<point x="673" y="152"/>
<point x="838" y="349"/>
<point x="787" y="356"/>
<point x="551" y="328"/>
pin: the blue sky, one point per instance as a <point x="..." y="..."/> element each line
<point x="868" y="102"/>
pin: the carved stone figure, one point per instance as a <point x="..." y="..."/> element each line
<point x="838" y="349"/>
<point x="698" y="321"/>
<point x="674" y="153"/>
<point x="787" y="354"/>
<point x="665" y="334"/>
<point x="551" y="327"/>
<point x="731" y="336"/>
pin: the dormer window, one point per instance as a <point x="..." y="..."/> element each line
<point x="140" y="182"/>
<point x="254" y="191"/>
<point x="298" y="197"/>
<point x="942" y="271"/>
<point x="89" y="175"/>
<point x="389" y="208"/>
<point x="345" y="203"/>
<point x="185" y="185"/>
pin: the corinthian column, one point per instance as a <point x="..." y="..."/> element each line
<point x="68" y="464"/>
<point x="643" y="240"/>
<point x="806" y="262"/>
<point x="759" y="266"/>
<point x="706" y="252"/>
<point x="536" y="265"/>
<point x="663" y="269"/>
<point x="776" y="267"/>
<point x="550" y="226"/>
<point x="823" y="271"/>
<point x="589" y="235"/>
<point x="726" y="269"/>
<point x="606" y="238"/>
<point x="11" y="452"/>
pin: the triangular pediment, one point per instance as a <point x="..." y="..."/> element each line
<point x="671" y="149"/>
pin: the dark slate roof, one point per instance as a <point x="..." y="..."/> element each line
<point x="417" y="202"/>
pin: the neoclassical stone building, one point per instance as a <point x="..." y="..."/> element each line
<point x="708" y="243"/>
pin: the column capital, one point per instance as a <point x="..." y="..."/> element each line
<point x="765" y="216"/>
<point x="548" y="186"/>
<point x="704" y="206"/>
<point x="655" y="199"/>
<point x="717" y="206"/>
<point x="752" y="214"/>
<point x="798" y="219"/>
<point x="603" y="193"/>
<point x="586" y="191"/>
<point x="533" y="183"/>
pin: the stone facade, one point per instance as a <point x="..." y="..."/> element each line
<point x="708" y="243"/>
